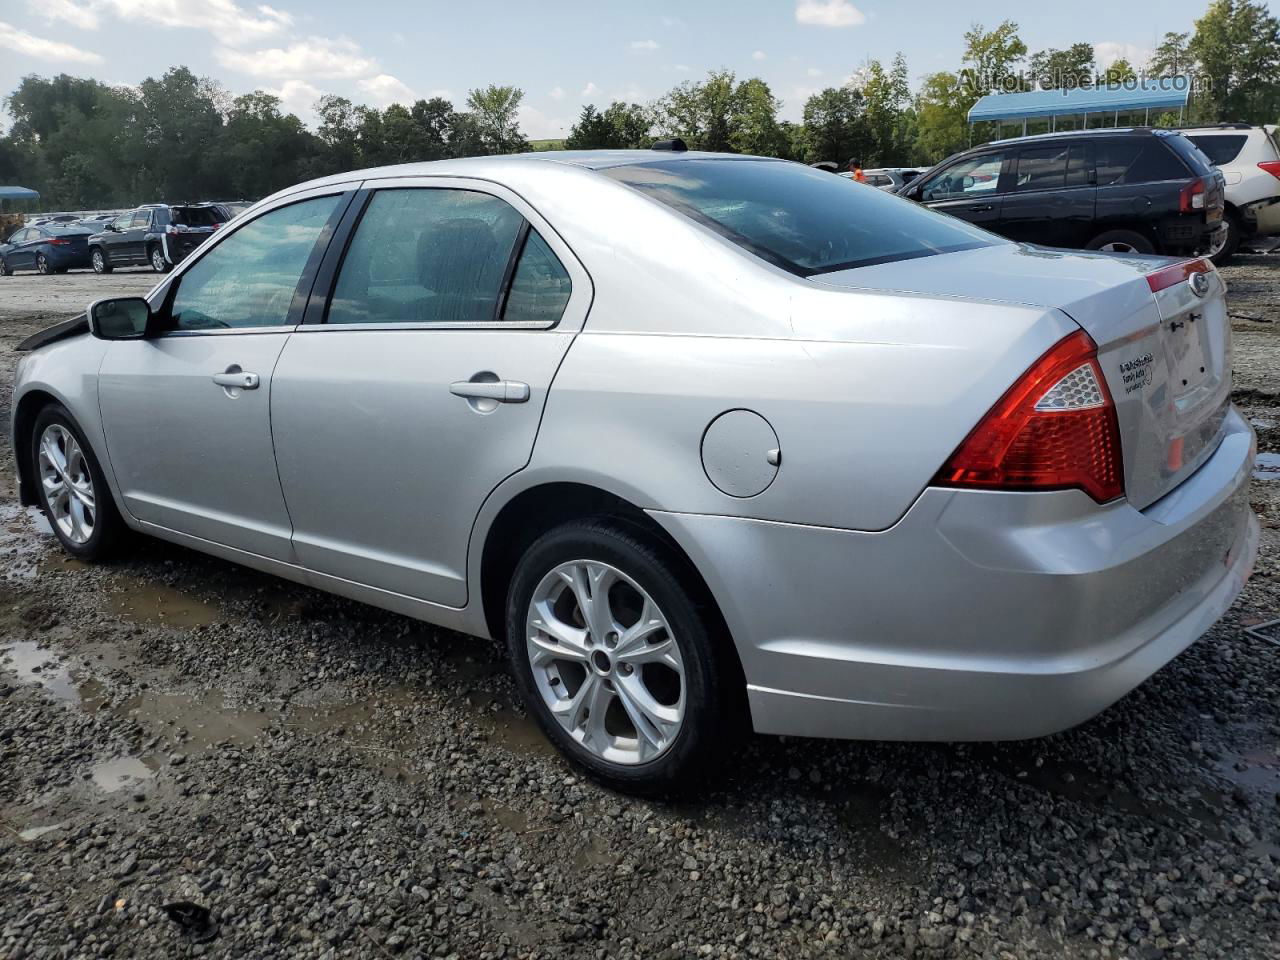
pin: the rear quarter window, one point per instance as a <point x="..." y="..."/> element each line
<point x="1139" y="160"/>
<point x="1219" y="149"/>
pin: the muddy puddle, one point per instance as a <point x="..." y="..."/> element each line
<point x="30" y="663"/>
<point x="155" y="604"/>
<point x="1267" y="467"/>
<point x="120" y="773"/>
<point x="24" y="536"/>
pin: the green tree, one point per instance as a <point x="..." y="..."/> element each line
<point x="886" y="99"/>
<point x="1063" y="69"/>
<point x="991" y="59"/>
<point x="262" y="148"/>
<point x="494" y="110"/>
<point x="1172" y="57"/>
<point x="1237" y="49"/>
<point x="339" y="132"/>
<point x="941" y="117"/>
<point x="703" y="113"/>
<point x="1119" y="72"/>
<point x="755" y="127"/>
<point x="622" y="126"/>
<point x="835" y="128"/>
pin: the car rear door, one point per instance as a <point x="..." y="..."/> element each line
<point x="970" y="188"/>
<point x="187" y="413"/>
<point x="1051" y="195"/>
<point x="22" y="256"/>
<point x="423" y="386"/>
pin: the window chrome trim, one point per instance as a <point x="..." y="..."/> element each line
<point x="224" y="332"/>
<point x="429" y="325"/>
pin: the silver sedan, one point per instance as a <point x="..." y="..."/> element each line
<point x="713" y="442"/>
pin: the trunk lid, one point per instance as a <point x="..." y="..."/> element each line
<point x="1166" y="353"/>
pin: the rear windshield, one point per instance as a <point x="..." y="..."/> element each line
<point x="798" y="218"/>
<point x="196" y="216"/>
<point x="1219" y="149"/>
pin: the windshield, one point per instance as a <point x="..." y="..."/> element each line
<point x="798" y="218"/>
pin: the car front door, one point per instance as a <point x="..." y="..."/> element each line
<point x="1052" y="196"/>
<point x="135" y="242"/>
<point x="187" y="412"/>
<point x="115" y="239"/>
<point x="970" y="189"/>
<point x="422" y="388"/>
<point x="22" y="256"/>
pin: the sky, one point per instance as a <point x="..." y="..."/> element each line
<point x="562" y="54"/>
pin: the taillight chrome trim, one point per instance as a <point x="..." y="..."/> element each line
<point x="1168" y="276"/>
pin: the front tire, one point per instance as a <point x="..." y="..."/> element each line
<point x="1121" y="241"/>
<point x="5" y="269"/>
<point x="158" y="263"/>
<point x="42" y="265"/>
<point x="72" y="489"/>
<point x="615" y="657"/>
<point x="100" y="262"/>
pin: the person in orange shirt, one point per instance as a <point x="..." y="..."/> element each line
<point x="855" y="167"/>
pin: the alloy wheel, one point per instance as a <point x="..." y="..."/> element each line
<point x="605" y="662"/>
<point x="98" y="262"/>
<point x="42" y="265"/>
<point x="67" y="484"/>
<point x="157" y="260"/>
<point x="1117" y="247"/>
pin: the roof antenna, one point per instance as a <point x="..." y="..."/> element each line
<point x="675" y="144"/>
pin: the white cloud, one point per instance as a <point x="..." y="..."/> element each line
<point x="24" y="43"/>
<point x="227" y="21"/>
<point x="557" y="93"/>
<point x="312" y="58"/>
<point x="672" y="22"/>
<point x="644" y="44"/>
<point x="537" y="125"/>
<point x="1108" y="52"/>
<point x="65" y="11"/>
<point x="297" y="96"/>
<point x="682" y="68"/>
<point x="759" y="55"/>
<point x="590" y="89"/>
<point x="828" y="13"/>
<point x="814" y="72"/>
<point x="385" y="90"/>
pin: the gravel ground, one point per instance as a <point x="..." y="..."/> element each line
<point x="335" y="781"/>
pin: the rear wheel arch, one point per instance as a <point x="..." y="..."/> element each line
<point x="537" y="510"/>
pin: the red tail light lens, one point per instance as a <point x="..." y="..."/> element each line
<point x="58" y="241"/>
<point x="1168" y="276"/>
<point x="1055" y="429"/>
<point x="1192" y="197"/>
<point x="1272" y="167"/>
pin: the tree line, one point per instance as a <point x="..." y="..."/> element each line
<point x="86" y="144"/>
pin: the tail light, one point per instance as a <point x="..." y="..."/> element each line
<point x="1192" y="196"/>
<point x="1272" y="167"/>
<point x="58" y="242"/>
<point x="1055" y="429"/>
<point x="1168" y="276"/>
<point x="171" y="230"/>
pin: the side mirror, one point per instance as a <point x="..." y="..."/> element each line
<point x="119" y="318"/>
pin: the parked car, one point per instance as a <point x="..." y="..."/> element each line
<point x="1249" y="158"/>
<point x="706" y="439"/>
<point x="1123" y="190"/>
<point x="47" y="248"/>
<point x="889" y="179"/>
<point x="155" y="234"/>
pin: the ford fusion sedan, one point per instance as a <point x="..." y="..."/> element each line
<point x="708" y="441"/>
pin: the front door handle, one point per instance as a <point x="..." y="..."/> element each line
<point x="982" y="208"/>
<point x="238" y="378"/>
<point x="503" y="391"/>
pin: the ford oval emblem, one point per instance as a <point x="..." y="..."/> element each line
<point x="1200" y="284"/>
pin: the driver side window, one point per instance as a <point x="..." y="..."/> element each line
<point x="969" y="179"/>
<point x="249" y="279"/>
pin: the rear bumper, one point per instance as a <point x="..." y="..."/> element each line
<point x="1186" y="232"/>
<point x="979" y="616"/>
<point x="1262" y="217"/>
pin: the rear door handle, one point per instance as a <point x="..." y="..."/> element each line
<point x="504" y="391"/>
<point x="241" y="379"/>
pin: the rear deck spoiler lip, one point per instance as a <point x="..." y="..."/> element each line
<point x="59" y="331"/>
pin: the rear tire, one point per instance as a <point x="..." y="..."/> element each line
<point x="42" y="265"/>
<point x="158" y="263"/>
<point x="5" y="269"/>
<point x="1121" y="241"/>
<point x="71" y="487"/>
<point x="100" y="262"/>
<point x="664" y="712"/>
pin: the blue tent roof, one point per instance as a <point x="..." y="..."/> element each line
<point x="1156" y="93"/>
<point x="18" y="193"/>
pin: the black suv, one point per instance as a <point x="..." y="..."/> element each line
<point x="1141" y="190"/>
<point x="155" y="234"/>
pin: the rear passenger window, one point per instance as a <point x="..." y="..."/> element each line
<point x="141" y="219"/>
<point x="426" y="256"/>
<point x="540" y="287"/>
<point x="1044" y="168"/>
<point x="1080" y="165"/>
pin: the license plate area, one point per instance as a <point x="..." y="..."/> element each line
<point x="1186" y="345"/>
